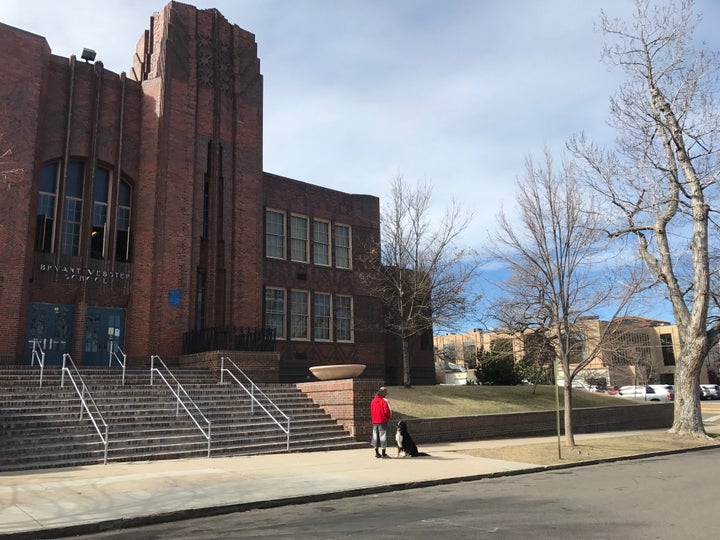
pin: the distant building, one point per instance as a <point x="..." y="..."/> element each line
<point x="141" y="216"/>
<point x="645" y="351"/>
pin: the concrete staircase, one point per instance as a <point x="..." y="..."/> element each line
<point x="41" y="427"/>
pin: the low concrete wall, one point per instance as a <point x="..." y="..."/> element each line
<point x="348" y="401"/>
<point x="536" y="424"/>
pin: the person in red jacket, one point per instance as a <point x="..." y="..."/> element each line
<point x="380" y="414"/>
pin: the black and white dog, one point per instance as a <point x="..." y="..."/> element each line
<point x="405" y="443"/>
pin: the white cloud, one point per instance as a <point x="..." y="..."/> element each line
<point x="457" y="92"/>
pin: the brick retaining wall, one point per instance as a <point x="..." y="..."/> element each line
<point x="348" y="401"/>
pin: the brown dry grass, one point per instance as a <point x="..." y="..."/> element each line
<point x="593" y="448"/>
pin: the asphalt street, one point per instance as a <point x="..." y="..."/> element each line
<point x="667" y="497"/>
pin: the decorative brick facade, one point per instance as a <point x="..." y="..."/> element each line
<point x="138" y="212"/>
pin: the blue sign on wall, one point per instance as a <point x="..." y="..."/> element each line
<point x="174" y="297"/>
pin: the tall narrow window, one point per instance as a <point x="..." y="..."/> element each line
<point x="341" y="243"/>
<point x="98" y="236"/>
<point x="275" y="311"/>
<point x="274" y="234"/>
<point x="299" y="238"/>
<point x="206" y="208"/>
<point x="299" y="316"/>
<point x="321" y="243"/>
<point x="122" y="239"/>
<point x="200" y="300"/>
<point x="321" y="316"/>
<point x="668" y="352"/>
<point x="70" y="238"/>
<point x="343" y="318"/>
<point x="45" y="230"/>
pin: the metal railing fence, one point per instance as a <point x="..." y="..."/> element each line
<point x="86" y="400"/>
<point x="254" y="392"/>
<point x="114" y="349"/>
<point x="181" y="396"/>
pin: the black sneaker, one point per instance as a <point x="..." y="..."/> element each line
<point x="385" y="456"/>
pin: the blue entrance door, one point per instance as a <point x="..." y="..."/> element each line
<point x="104" y="328"/>
<point x="52" y="326"/>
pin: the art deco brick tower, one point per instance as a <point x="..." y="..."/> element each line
<point x="200" y="199"/>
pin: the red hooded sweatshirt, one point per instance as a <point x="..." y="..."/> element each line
<point x="380" y="410"/>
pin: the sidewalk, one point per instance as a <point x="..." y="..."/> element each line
<point x="61" y="502"/>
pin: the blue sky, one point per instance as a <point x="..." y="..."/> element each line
<point x="454" y="92"/>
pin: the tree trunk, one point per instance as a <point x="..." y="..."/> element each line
<point x="406" y="363"/>
<point x="688" y="415"/>
<point x="567" y="403"/>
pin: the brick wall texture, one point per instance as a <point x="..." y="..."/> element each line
<point x="184" y="130"/>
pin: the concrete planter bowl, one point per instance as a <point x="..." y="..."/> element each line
<point x="337" y="371"/>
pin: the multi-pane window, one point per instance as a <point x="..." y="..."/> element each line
<point x="299" y="238"/>
<point x="274" y="234"/>
<point x="122" y="236"/>
<point x="98" y="235"/>
<point x="299" y="315"/>
<point x="71" y="230"/>
<point x="46" y="208"/>
<point x="341" y="244"/>
<point x="343" y="318"/>
<point x="70" y="238"/>
<point x="321" y="242"/>
<point x="668" y="352"/>
<point x="321" y="316"/>
<point x="275" y="311"/>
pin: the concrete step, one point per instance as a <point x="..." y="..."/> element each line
<point x="42" y="428"/>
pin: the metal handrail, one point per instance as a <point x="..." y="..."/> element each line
<point x="85" y="401"/>
<point x="40" y="356"/>
<point x="179" y="394"/>
<point x="114" y="347"/>
<point x="253" y="389"/>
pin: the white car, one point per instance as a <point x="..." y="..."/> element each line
<point x="709" y="391"/>
<point x="650" y="392"/>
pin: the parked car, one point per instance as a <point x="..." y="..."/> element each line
<point x="650" y="392"/>
<point x="709" y="391"/>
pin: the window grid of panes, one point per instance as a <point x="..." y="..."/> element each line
<point x="70" y="230"/>
<point x="321" y="316"/>
<point x="299" y="316"/>
<point x="321" y="243"/>
<point x="341" y="240"/>
<point x="343" y="318"/>
<point x="275" y="234"/>
<point x="72" y="214"/>
<point x="46" y="208"/>
<point x="299" y="238"/>
<point x="275" y="311"/>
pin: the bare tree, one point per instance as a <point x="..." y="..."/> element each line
<point x="557" y="256"/>
<point x="662" y="178"/>
<point x="425" y="279"/>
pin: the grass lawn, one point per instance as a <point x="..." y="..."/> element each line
<point x="443" y="401"/>
<point x="448" y="400"/>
